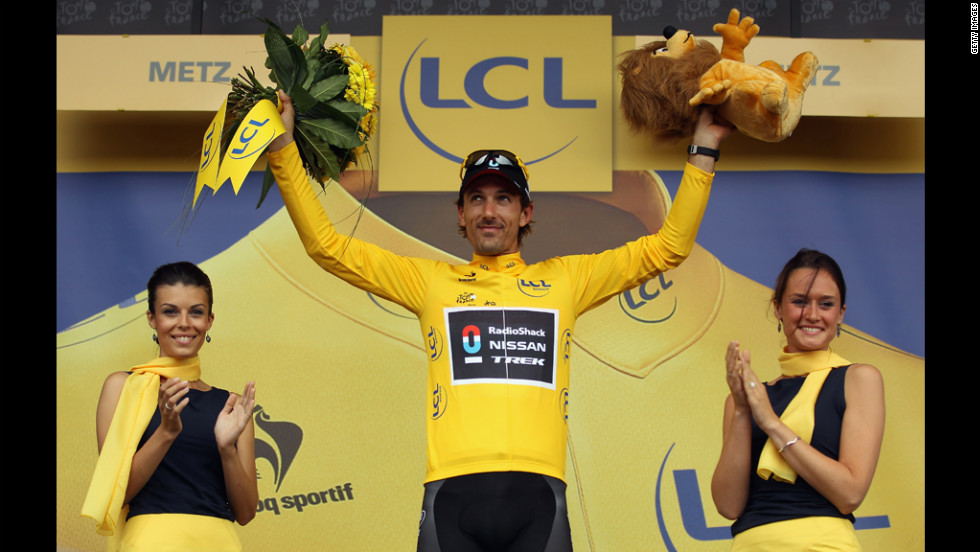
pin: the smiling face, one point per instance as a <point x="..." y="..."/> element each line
<point x="182" y="318"/>
<point x="492" y="216"/>
<point x="810" y="310"/>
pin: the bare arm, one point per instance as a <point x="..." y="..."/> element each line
<point x="730" y="481"/>
<point x="235" y="433"/>
<point x="147" y="458"/>
<point x="845" y="481"/>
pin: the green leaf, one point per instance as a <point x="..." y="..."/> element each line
<point x="300" y="35"/>
<point x="268" y="181"/>
<point x="324" y="31"/>
<point x="302" y="100"/>
<point x="312" y="70"/>
<point x="346" y="112"/>
<point x="328" y="88"/>
<point x="332" y="132"/>
<point x="352" y="111"/>
<point x="316" y="45"/>
<point x="286" y="57"/>
<point x="310" y="160"/>
<point x="318" y="153"/>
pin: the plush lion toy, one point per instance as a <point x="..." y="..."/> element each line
<point x="666" y="82"/>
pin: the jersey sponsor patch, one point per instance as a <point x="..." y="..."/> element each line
<point x="511" y="345"/>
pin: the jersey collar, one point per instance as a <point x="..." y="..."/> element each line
<point x="511" y="263"/>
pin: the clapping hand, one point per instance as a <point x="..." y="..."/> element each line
<point x="234" y="416"/>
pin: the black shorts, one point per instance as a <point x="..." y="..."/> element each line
<point x="495" y="512"/>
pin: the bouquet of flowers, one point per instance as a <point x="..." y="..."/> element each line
<point x="333" y="93"/>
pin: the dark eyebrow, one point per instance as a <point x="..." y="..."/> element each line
<point x="801" y="296"/>
<point x="171" y="305"/>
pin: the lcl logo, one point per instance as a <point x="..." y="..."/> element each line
<point x="474" y="86"/>
<point x="633" y="301"/>
<point x="252" y="138"/>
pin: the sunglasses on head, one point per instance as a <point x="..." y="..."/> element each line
<point x="500" y="157"/>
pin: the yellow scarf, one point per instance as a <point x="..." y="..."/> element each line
<point x="798" y="415"/>
<point x="138" y="401"/>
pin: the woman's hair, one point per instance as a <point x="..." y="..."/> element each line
<point x="810" y="258"/>
<point x="183" y="273"/>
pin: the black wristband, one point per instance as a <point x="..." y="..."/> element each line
<point x="701" y="150"/>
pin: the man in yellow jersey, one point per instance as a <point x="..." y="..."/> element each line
<point x="498" y="332"/>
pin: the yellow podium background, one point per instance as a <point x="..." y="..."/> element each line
<point x="346" y="370"/>
<point x="340" y="374"/>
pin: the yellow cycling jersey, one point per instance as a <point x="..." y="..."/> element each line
<point x="497" y="331"/>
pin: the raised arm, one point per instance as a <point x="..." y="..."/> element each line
<point x="680" y="228"/>
<point x="639" y="260"/>
<point x="362" y="264"/>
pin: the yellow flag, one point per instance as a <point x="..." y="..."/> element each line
<point x="259" y="127"/>
<point x="207" y="171"/>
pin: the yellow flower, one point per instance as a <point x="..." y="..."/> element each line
<point x="369" y="124"/>
<point x="360" y="86"/>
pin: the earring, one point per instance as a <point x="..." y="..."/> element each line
<point x="155" y="340"/>
<point x="838" y="330"/>
<point x="207" y="337"/>
<point x="779" y="327"/>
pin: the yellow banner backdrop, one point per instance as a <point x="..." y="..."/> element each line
<point x="155" y="73"/>
<point x="857" y="78"/>
<point x="455" y="84"/>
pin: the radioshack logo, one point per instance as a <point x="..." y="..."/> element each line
<point x="649" y="302"/>
<point x="277" y="442"/>
<point x="504" y="346"/>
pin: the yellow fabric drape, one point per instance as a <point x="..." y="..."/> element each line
<point x="137" y="402"/>
<point x="798" y="415"/>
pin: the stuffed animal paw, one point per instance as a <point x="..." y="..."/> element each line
<point x="665" y="83"/>
<point x="735" y="35"/>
